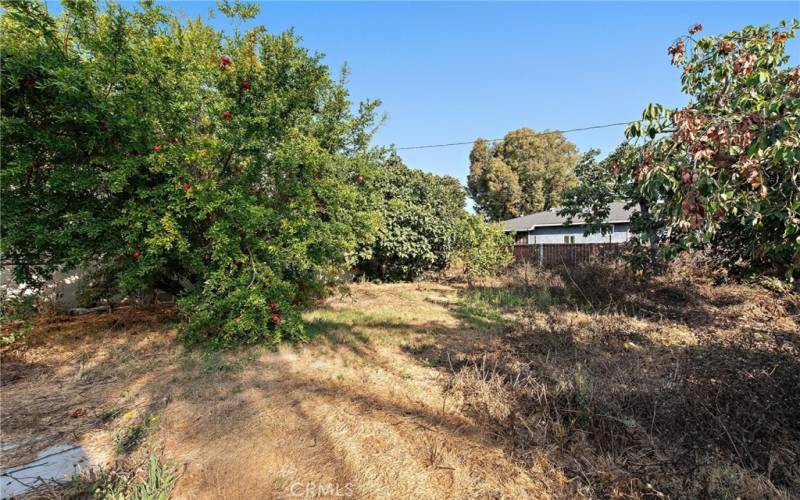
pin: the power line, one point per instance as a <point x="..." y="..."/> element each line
<point x="549" y="132"/>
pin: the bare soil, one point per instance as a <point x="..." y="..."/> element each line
<point x="676" y="388"/>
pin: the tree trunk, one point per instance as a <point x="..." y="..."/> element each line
<point x="652" y="237"/>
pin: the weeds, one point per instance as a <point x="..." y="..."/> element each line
<point x="110" y="415"/>
<point x="154" y="480"/>
<point x="16" y="317"/>
<point x="215" y="362"/>
<point x="509" y="296"/>
<point x="490" y="305"/>
<point x="157" y="483"/>
<point x="132" y="437"/>
<point x="659" y="388"/>
<point x="435" y="452"/>
<point x="478" y="315"/>
<point x="678" y="387"/>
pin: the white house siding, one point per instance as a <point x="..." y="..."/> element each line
<point x="550" y="235"/>
<point x="621" y="233"/>
<point x="62" y="291"/>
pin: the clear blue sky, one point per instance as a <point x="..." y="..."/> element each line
<point x="450" y="72"/>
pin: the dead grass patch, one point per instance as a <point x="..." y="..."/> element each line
<point x="672" y="386"/>
<point x="518" y="389"/>
<point x="351" y="411"/>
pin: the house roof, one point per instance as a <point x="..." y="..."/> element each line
<point x="617" y="213"/>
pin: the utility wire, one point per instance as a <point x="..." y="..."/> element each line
<point x="549" y="132"/>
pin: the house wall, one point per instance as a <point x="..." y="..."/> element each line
<point x="553" y="235"/>
<point x="621" y="233"/>
<point x="62" y="291"/>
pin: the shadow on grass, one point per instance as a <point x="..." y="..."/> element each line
<point x="492" y="307"/>
<point x="335" y="333"/>
<point x="479" y="316"/>
<point x="625" y="401"/>
<point x="508" y="298"/>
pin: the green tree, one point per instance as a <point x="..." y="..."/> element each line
<point x="526" y="172"/>
<point x="482" y="247"/>
<point x="600" y="183"/>
<point x="219" y="166"/>
<point x="420" y="212"/>
<point x="724" y="170"/>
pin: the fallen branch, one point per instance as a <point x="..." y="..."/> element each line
<point x="80" y="311"/>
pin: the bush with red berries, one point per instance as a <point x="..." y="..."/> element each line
<point x="213" y="166"/>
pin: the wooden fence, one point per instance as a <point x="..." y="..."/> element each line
<point x="566" y="253"/>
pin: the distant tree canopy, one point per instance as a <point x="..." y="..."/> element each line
<point x="420" y="213"/>
<point x="526" y="172"/>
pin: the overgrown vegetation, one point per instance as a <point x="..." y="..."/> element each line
<point x="131" y="437"/>
<point x="223" y="166"/>
<point x="482" y="248"/>
<point x="226" y="167"/>
<point x="720" y="173"/>
<point x="592" y="382"/>
<point x="426" y="229"/>
<point x="154" y="479"/>
<point x="673" y="386"/>
<point x="16" y="316"/>
<point x="420" y="223"/>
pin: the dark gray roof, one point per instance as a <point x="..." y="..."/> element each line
<point x="618" y="213"/>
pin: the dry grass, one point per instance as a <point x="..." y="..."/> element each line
<point x="515" y="390"/>
<point x="673" y="386"/>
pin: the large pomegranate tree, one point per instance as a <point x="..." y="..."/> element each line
<point x="162" y="153"/>
<point x="725" y="169"/>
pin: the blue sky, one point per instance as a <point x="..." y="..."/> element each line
<point x="450" y="72"/>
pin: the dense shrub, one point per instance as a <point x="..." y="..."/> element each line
<point x="421" y="212"/>
<point x="724" y="168"/>
<point x="482" y="247"/>
<point x="222" y="166"/>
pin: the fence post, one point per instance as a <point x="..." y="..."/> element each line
<point x="541" y="254"/>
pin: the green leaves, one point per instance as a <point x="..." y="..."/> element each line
<point x="420" y="213"/>
<point x="634" y="130"/>
<point x="652" y="112"/>
<point x="727" y="174"/>
<point x="116" y="144"/>
<point x="526" y="172"/>
<point x="482" y="248"/>
<point x="238" y="9"/>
